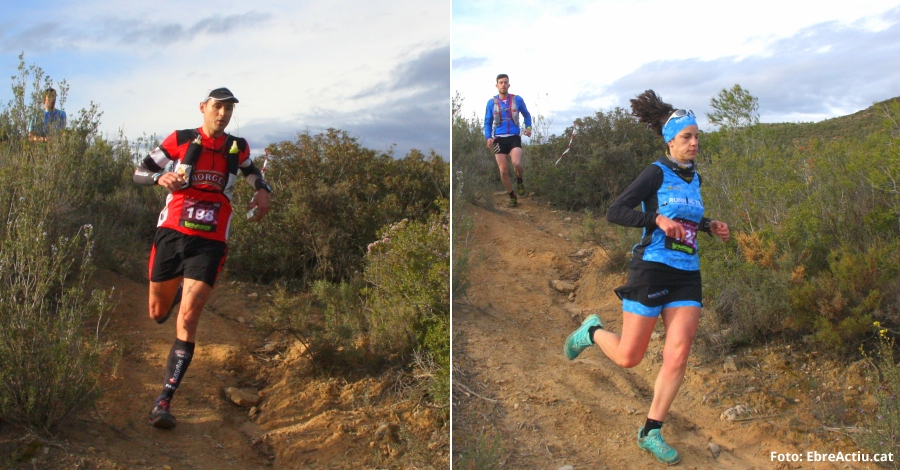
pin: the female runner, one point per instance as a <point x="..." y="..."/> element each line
<point x="664" y="272"/>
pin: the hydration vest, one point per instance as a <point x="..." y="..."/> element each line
<point x="192" y="154"/>
<point x="513" y="111"/>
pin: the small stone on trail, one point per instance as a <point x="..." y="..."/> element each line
<point x="253" y="412"/>
<point x="388" y="431"/>
<point x="630" y="410"/>
<point x="253" y="296"/>
<point x="241" y="397"/>
<point x="568" y="219"/>
<point x="566" y="287"/>
<point x="734" y="412"/>
<point x="729" y="365"/>
<point x="715" y="450"/>
<point x="566" y="467"/>
<point x="572" y="297"/>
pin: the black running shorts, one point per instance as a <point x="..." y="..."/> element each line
<point x="504" y="145"/>
<point x="175" y="254"/>
<point x="653" y="287"/>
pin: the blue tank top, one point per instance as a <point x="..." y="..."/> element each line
<point x="681" y="202"/>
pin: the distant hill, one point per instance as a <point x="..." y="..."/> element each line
<point x="858" y="125"/>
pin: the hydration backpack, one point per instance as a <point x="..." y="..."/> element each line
<point x="513" y="111"/>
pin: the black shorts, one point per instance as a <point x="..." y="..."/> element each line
<point x="175" y="254"/>
<point x="504" y="145"/>
<point x="652" y="287"/>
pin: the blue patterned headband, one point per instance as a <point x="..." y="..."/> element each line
<point x="680" y="119"/>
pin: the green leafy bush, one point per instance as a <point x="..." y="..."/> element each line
<point x="815" y="224"/>
<point x="881" y="433"/>
<point x="331" y="196"/>
<point x="609" y="151"/>
<point x="476" y="176"/>
<point x="62" y="207"/>
<point x="399" y="306"/>
<point x="49" y="365"/>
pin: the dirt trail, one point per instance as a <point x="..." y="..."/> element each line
<point x="304" y="420"/>
<point x="513" y="381"/>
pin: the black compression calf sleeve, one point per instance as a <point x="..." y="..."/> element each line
<point x="176" y="366"/>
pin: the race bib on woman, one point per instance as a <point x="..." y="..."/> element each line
<point x="689" y="243"/>
<point x="200" y="215"/>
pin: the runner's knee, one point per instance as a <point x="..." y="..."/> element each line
<point x="629" y="360"/>
<point x="676" y="357"/>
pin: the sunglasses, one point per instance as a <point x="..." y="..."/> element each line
<point x="680" y="113"/>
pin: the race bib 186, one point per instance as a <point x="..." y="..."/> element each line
<point x="689" y="243"/>
<point x="200" y="215"/>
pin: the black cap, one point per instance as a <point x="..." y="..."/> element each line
<point x="221" y="94"/>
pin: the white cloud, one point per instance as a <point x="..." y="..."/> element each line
<point x="607" y="51"/>
<point x="148" y="65"/>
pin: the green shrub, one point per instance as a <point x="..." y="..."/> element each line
<point x="484" y="452"/>
<point x="615" y="241"/>
<point x="476" y="176"/>
<point x="50" y="240"/>
<point x="462" y="226"/>
<point x="816" y="225"/>
<point x="399" y="306"/>
<point x="328" y="321"/>
<point x="881" y="433"/>
<point x="331" y="196"/>
<point x="408" y="272"/>
<point x="48" y="361"/>
<point x="609" y="151"/>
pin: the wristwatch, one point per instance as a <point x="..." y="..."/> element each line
<point x="260" y="184"/>
<point x="156" y="177"/>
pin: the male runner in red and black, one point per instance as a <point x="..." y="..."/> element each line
<point x="189" y="248"/>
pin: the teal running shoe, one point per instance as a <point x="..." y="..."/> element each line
<point x="655" y="444"/>
<point x="579" y="340"/>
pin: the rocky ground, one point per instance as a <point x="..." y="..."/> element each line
<point x="518" y="403"/>
<point x="248" y="401"/>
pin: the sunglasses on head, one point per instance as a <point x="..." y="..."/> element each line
<point x="680" y="113"/>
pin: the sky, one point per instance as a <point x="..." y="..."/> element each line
<point x="378" y="70"/>
<point x="804" y="61"/>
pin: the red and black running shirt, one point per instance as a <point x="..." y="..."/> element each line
<point x="202" y="209"/>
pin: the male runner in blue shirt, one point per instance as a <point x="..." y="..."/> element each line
<point x="501" y="130"/>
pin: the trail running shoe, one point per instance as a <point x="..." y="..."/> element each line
<point x="655" y="444"/>
<point x="520" y="187"/>
<point x="160" y="416"/>
<point x="175" y="303"/>
<point x="513" y="202"/>
<point x="579" y="340"/>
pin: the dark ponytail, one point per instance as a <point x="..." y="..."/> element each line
<point x="650" y="109"/>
